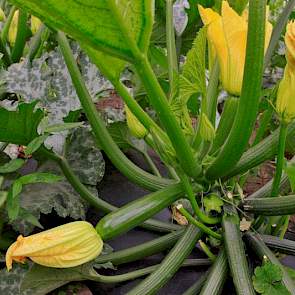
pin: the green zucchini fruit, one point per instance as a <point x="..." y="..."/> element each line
<point x="256" y="243"/>
<point x="234" y="247"/>
<point x="217" y="276"/>
<point x="271" y="206"/>
<point x="283" y="246"/>
<point x="136" y="212"/>
<point x="170" y="264"/>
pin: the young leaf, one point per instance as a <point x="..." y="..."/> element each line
<point x="12" y="166"/>
<point x="193" y="79"/>
<point x="35" y="144"/>
<point x="213" y="203"/>
<point x="20" y="126"/>
<point x="13" y="200"/>
<point x="96" y="22"/>
<point x="268" y="280"/>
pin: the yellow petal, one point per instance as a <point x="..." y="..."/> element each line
<point x="13" y="28"/>
<point x="235" y="32"/>
<point x="208" y="15"/>
<point x="67" y="245"/>
<point x="285" y="104"/>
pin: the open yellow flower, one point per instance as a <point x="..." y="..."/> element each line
<point x="227" y="36"/>
<point x="64" y="246"/>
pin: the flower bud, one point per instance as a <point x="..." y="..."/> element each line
<point x="2" y="15"/>
<point x="13" y="28"/>
<point x="135" y="127"/>
<point x="285" y="104"/>
<point x="35" y="24"/>
<point x="64" y="246"/>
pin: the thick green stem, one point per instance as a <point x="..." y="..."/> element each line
<point x="265" y="119"/>
<point x="280" y="160"/>
<point x="98" y="203"/>
<point x="198" y="224"/>
<point x="158" y="100"/>
<point x="212" y="93"/>
<point x="21" y="36"/>
<point x="207" y="251"/>
<point x="101" y="134"/>
<point x="170" y="264"/>
<point x="171" y="48"/>
<point x="143" y="250"/>
<point x="263" y="151"/>
<point x="160" y="103"/>
<point x="250" y="95"/>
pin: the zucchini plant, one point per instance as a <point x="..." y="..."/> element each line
<point x="164" y="81"/>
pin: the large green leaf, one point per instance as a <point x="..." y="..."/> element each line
<point x="20" y="126"/>
<point x="98" y="23"/>
<point x="11" y="281"/>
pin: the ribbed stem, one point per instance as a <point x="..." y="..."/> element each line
<point x="263" y="151"/>
<point x="116" y="156"/>
<point x="250" y="96"/>
<point x="98" y="203"/>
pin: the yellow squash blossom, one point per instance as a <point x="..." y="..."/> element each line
<point x="286" y="93"/>
<point x="64" y="246"/>
<point x="35" y="24"/>
<point x="227" y="36"/>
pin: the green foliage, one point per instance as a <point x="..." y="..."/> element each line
<point x="193" y="79"/>
<point x="109" y="16"/>
<point x="12" y="166"/>
<point x="35" y="144"/>
<point x="268" y="280"/>
<point x="21" y="125"/>
<point x="13" y="203"/>
<point x="11" y="281"/>
<point x="213" y="203"/>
